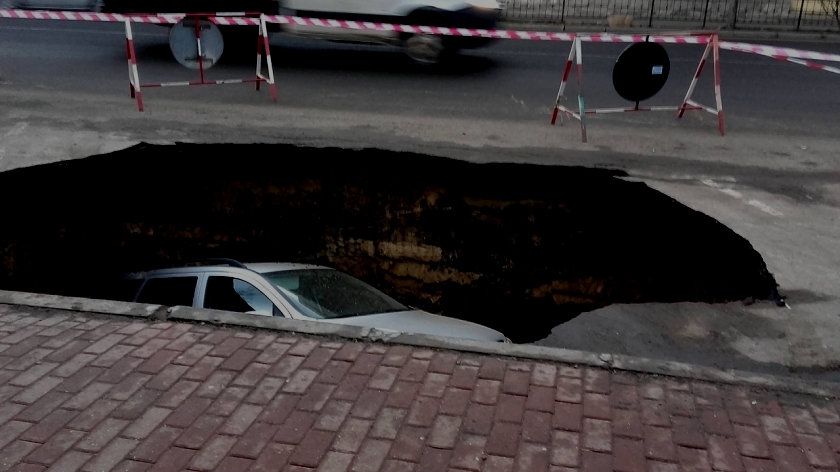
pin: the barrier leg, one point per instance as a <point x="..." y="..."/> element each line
<point x="579" y="59"/>
<point x="130" y="79"/>
<point x="259" y="58"/>
<point x="133" y="76"/>
<point x="718" y="98"/>
<point x="693" y="84"/>
<point x="267" y="48"/>
<point x="199" y="49"/>
<point x="563" y="84"/>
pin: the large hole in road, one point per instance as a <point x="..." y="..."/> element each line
<point x="521" y="248"/>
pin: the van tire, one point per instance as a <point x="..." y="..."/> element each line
<point x="424" y="49"/>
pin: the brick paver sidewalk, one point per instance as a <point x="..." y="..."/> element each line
<point x="110" y="394"/>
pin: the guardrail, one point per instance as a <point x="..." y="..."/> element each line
<point x="784" y="15"/>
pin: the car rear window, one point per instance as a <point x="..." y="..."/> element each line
<point x="169" y="291"/>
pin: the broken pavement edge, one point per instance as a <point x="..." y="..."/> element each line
<point x="521" y="351"/>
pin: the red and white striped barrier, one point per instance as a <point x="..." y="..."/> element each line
<point x="263" y="49"/>
<point x="576" y="56"/>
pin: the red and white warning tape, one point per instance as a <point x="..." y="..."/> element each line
<point x="812" y="65"/>
<point x="229" y="19"/>
<point x="777" y="52"/>
<point x="87" y="16"/>
<point x="795" y="56"/>
<point x="788" y="54"/>
<point x="435" y="30"/>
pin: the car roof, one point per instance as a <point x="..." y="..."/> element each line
<point x="265" y="267"/>
<point x="258" y="267"/>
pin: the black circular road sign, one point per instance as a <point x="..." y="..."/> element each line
<point x="641" y="71"/>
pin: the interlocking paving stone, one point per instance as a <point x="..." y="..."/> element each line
<point x="101" y="394"/>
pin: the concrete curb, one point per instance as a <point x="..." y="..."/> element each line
<point x="521" y="351"/>
<point x="103" y="307"/>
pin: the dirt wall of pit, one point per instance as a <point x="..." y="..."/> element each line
<point x="518" y="247"/>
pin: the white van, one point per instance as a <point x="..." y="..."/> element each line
<point x="483" y="14"/>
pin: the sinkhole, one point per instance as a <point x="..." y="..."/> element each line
<point x="520" y="248"/>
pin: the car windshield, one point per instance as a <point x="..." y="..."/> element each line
<point x="325" y="293"/>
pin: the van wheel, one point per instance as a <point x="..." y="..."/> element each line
<point x="424" y="48"/>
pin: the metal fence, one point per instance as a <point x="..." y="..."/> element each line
<point x="780" y="14"/>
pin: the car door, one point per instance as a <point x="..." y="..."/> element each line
<point x="370" y="8"/>
<point x="316" y="7"/>
<point x="72" y="4"/>
<point x="239" y="293"/>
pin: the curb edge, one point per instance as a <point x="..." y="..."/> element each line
<point x="523" y="351"/>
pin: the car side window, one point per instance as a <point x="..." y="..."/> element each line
<point x="230" y="294"/>
<point x="169" y="291"/>
<point x="122" y="290"/>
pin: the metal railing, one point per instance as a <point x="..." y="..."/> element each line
<point x="779" y="14"/>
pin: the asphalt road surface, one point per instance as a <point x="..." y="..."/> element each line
<point x="511" y="80"/>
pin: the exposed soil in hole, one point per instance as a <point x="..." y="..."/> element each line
<point x="517" y="247"/>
